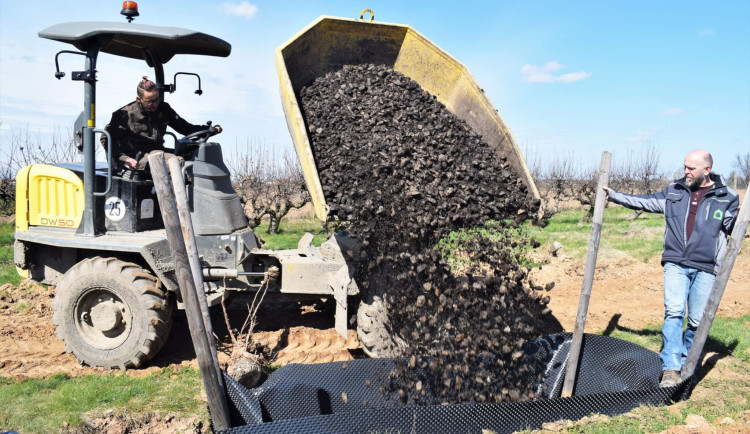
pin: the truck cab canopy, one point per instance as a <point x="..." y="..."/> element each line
<point x="137" y="41"/>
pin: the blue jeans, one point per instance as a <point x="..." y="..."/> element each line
<point x="682" y="286"/>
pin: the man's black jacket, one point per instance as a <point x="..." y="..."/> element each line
<point x="134" y="129"/>
<point x="714" y="220"/>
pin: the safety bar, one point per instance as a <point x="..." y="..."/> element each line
<point x="176" y="142"/>
<point x="110" y="144"/>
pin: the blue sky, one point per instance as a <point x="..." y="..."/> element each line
<point x="567" y="76"/>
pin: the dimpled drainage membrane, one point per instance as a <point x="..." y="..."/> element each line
<point x="345" y="397"/>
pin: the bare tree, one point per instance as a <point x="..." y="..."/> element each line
<point x="647" y="171"/>
<point x="742" y="165"/>
<point x="586" y="192"/>
<point x="22" y="148"/>
<point x="269" y="187"/>
<point x="638" y="174"/>
<point x="623" y="174"/>
<point x="650" y="178"/>
<point x="250" y="178"/>
<point x="289" y="191"/>
<point x="533" y="159"/>
<point x="558" y="182"/>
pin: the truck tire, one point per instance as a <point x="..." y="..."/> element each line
<point x="376" y="337"/>
<point x="112" y="314"/>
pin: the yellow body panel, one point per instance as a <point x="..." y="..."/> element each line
<point x="54" y="197"/>
<point x="22" y="199"/>
<point x="23" y="274"/>
<point x="329" y="43"/>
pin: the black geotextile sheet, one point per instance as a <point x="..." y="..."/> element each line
<point x="614" y="377"/>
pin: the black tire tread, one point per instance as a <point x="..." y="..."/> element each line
<point x="148" y="290"/>
<point x="373" y="329"/>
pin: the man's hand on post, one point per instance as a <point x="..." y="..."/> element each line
<point x="606" y="190"/>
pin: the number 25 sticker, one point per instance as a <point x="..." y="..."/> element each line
<point x="115" y="209"/>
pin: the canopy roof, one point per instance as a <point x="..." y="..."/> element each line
<point x="135" y="40"/>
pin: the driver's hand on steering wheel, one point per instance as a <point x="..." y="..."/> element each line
<point x="130" y="163"/>
<point x="218" y="129"/>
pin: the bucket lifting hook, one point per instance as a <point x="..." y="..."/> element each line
<point x="364" y="11"/>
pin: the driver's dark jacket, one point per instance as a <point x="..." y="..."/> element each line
<point x="134" y="129"/>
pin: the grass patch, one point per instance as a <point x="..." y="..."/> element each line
<point x="8" y="273"/>
<point x="725" y="395"/>
<point x="640" y="238"/>
<point x="729" y="394"/>
<point x="43" y="405"/>
<point x="728" y="336"/>
<point x="290" y="232"/>
<point x="21" y="306"/>
<point x="649" y="337"/>
<point x="648" y="419"/>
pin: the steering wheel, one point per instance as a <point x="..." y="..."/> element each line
<point x="199" y="136"/>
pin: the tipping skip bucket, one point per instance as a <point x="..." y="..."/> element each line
<point x="330" y="43"/>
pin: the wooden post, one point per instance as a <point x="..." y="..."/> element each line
<point x="191" y="247"/>
<point x="215" y="395"/>
<point x="712" y="305"/>
<point x="588" y="277"/>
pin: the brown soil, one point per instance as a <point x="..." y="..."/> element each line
<point x="122" y="421"/>
<point x="29" y="347"/>
<point x="627" y="295"/>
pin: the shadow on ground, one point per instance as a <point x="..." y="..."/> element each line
<point x="718" y="349"/>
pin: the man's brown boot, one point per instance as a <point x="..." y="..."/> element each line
<point x="670" y="378"/>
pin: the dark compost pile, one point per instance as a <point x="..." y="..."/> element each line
<point x="401" y="172"/>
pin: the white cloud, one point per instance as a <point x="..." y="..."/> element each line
<point x="643" y="135"/>
<point x="671" y="111"/>
<point x="544" y="73"/>
<point x="574" y="76"/>
<point x="544" y="77"/>
<point x="706" y="32"/>
<point x="546" y="68"/>
<point x="243" y="9"/>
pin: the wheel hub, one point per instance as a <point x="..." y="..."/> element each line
<point x="105" y="316"/>
<point x="103" y="319"/>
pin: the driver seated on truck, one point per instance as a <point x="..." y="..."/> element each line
<point x="138" y="128"/>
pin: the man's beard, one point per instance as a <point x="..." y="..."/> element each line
<point x="149" y="109"/>
<point x="696" y="182"/>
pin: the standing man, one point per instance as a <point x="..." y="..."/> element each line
<point x="699" y="210"/>
<point x="139" y="127"/>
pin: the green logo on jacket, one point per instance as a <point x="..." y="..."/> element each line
<point x="718" y="215"/>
